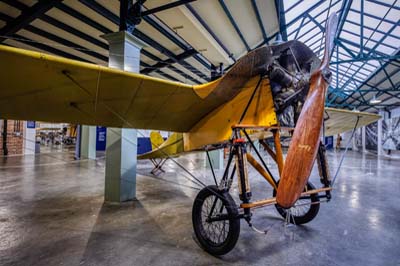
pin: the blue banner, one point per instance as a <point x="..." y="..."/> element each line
<point x="30" y="124"/>
<point x="101" y="136"/>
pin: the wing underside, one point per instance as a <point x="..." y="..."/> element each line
<point x="42" y="87"/>
<point x="340" y="121"/>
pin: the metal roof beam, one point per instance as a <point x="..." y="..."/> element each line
<point x="374" y="88"/>
<point x="369" y="50"/>
<point x="375" y="17"/>
<point x="233" y="22"/>
<point x="384" y="91"/>
<point x="293" y="6"/>
<point x="165" y="7"/>
<point x="300" y="27"/>
<point x="372" y="29"/>
<point x="208" y="29"/>
<point x="348" y="50"/>
<point x="16" y="4"/>
<point x="363" y="83"/>
<point x="176" y="70"/>
<point x="72" y="12"/>
<point x="65" y="42"/>
<point x="384" y="105"/>
<point x="343" y="16"/>
<point x="309" y="21"/>
<point x="280" y="13"/>
<point x="4" y="17"/>
<point x="59" y="24"/>
<point x="47" y="48"/>
<point x="101" y="28"/>
<point x="382" y="3"/>
<point x="368" y="58"/>
<point x="346" y="5"/>
<point x="182" y="44"/>
<point x="167" y="62"/>
<point x="372" y="50"/>
<point x="171" y="35"/>
<point x="74" y="31"/>
<point x="377" y="44"/>
<point x="113" y="18"/>
<point x="54" y="38"/>
<point x="308" y="11"/>
<point x="27" y="17"/>
<point x="377" y="89"/>
<point x="370" y="40"/>
<point x="388" y="77"/>
<point x="158" y="71"/>
<point x="316" y="23"/>
<point x="350" y="104"/>
<point x="260" y="23"/>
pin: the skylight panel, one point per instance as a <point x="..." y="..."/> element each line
<point x="393" y="14"/>
<point x="374" y="9"/>
<point x="374" y="35"/>
<point x="384" y="49"/>
<point x="290" y="3"/>
<point x="299" y="9"/>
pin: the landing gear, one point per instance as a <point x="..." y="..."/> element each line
<point x="215" y="215"/>
<point x="215" y="220"/>
<point x="304" y="210"/>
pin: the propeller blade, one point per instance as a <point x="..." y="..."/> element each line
<point x="305" y="141"/>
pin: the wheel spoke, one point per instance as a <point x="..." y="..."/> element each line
<point x="216" y="231"/>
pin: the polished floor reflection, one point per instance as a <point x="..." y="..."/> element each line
<point x="52" y="212"/>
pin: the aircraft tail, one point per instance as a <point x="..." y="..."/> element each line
<point x="169" y="148"/>
<point x="156" y="140"/>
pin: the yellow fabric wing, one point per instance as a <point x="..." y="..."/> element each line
<point x="340" y="120"/>
<point x="36" y="86"/>
<point x="42" y="87"/>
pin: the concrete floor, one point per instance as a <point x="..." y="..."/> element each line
<point x="52" y="213"/>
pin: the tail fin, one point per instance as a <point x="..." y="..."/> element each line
<point x="156" y="140"/>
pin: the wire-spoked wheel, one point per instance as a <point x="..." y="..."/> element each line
<point x="215" y="220"/>
<point x="304" y="210"/>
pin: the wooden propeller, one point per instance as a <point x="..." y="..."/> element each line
<point x="304" y="145"/>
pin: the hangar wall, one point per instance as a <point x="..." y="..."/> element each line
<point x="395" y="113"/>
<point x="378" y="147"/>
<point x="15" y="137"/>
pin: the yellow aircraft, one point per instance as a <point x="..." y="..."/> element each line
<point x="272" y="90"/>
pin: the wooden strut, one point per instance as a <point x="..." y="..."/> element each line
<point x="268" y="149"/>
<point x="260" y="169"/>
<point x="261" y="127"/>
<point x="272" y="201"/>
<point x="278" y="151"/>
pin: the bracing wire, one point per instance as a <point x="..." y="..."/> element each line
<point x="345" y="151"/>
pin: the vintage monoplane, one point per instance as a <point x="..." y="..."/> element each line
<point x="273" y="90"/>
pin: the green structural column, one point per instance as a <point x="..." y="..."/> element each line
<point x="121" y="144"/>
<point x="88" y="142"/>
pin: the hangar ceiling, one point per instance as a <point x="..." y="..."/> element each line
<point x="189" y="40"/>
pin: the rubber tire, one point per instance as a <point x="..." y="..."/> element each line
<point x="309" y="216"/>
<point x="234" y="223"/>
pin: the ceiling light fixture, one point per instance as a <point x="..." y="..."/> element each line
<point x="374" y="100"/>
